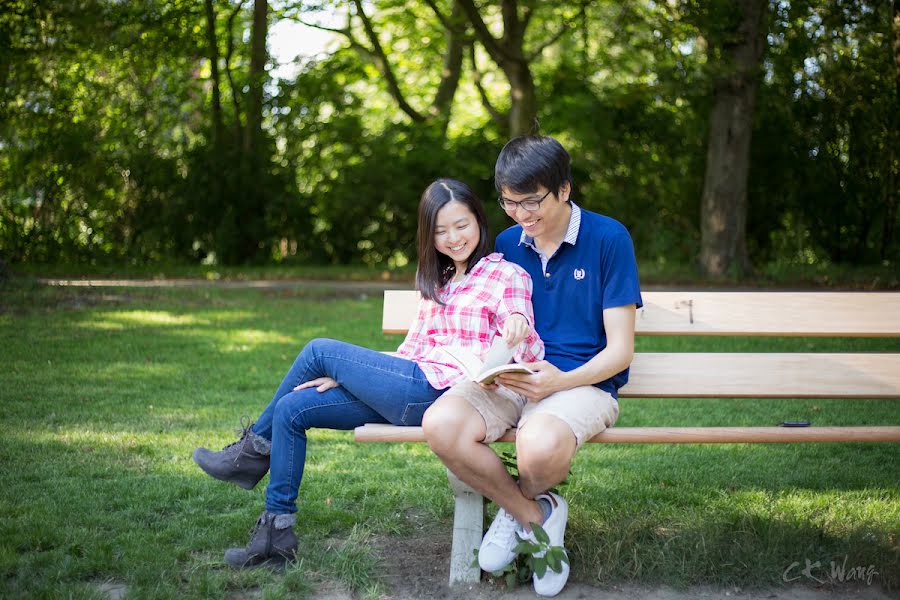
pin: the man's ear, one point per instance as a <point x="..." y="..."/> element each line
<point x="564" y="191"/>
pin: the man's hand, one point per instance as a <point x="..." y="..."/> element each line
<point x="321" y="384"/>
<point x="545" y="380"/>
<point x="515" y="330"/>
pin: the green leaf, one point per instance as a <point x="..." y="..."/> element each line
<point x="553" y="562"/>
<point x="540" y="567"/>
<point x="526" y="548"/>
<point x="560" y="553"/>
<point x="540" y="534"/>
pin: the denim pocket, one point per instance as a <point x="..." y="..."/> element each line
<point x="412" y="414"/>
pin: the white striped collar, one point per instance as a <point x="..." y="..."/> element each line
<point x="571" y="232"/>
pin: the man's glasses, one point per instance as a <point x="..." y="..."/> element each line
<point x="530" y="205"/>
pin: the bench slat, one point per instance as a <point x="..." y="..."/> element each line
<point x="399" y="310"/>
<point x="763" y="375"/>
<point x="675" y="435"/>
<point x="846" y="314"/>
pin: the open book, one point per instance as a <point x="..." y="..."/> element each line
<point x="495" y="362"/>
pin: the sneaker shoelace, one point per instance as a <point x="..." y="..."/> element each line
<point x="505" y="531"/>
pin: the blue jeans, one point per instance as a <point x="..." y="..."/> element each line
<point x="374" y="388"/>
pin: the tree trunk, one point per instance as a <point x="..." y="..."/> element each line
<point x="523" y="101"/>
<point x="891" y="194"/>
<point x="509" y="54"/>
<point x="453" y="60"/>
<point x="723" y="216"/>
<point x="248" y="220"/>
<point x="258" y="59"/>
<point x="213" y="49"/>
<point x="214" y="151"/>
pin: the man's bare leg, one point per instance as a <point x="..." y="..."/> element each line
<point x="545" y="446"/>
<point x="455" y="432"/>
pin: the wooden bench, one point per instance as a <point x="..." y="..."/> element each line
<point x="720" y="375"/>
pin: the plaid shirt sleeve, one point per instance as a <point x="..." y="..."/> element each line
<point x="516" y="299"/>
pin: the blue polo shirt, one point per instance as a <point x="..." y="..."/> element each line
<point x="593" y="269"/>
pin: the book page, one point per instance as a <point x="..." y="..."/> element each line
<point x="467" y="361"/>
<point x="489" y="375"/>
<point x="495" y="361"/>
<point x="498" y="355"/>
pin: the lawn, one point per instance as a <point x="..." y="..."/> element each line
<point x="106" y="392"/>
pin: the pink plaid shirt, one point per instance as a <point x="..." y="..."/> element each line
<point x="473" y="315"/>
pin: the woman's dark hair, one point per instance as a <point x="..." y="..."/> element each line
<point x="531" y="161"/>
<point x="435" y="269"/>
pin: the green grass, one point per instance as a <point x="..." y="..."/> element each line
<point x="105" y="393"/>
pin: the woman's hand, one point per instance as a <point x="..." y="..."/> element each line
<point x="321" y="384"/>
<point x="515" y="330"/>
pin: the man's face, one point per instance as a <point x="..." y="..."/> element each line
<point x="548" y="215"/>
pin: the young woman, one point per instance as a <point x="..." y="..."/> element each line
<point x="468" y="298"/>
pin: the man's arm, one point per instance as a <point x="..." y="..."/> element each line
<point x="619" y="325"/>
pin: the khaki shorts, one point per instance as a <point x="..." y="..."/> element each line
<point x="587" y="410"/>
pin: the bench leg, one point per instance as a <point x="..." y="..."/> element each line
<point x="468" y="529"/>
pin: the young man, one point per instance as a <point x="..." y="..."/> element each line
<point x="585" y="297"/>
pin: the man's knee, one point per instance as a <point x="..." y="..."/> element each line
<point x="438" y="424"/>
<point x="447" y="425"/>
<point x="545" y="445"/>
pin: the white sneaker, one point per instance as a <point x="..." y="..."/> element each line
<point x="552" y="582"/>
<point x="496" y="549"/>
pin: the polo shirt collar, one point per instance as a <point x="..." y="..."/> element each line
<point x="571" y="232"/>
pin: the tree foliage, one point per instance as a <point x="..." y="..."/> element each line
<point x="153" y="130"/>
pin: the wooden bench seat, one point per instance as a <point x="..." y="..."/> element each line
<point x="715" y="374"/>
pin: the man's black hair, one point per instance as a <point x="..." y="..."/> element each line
<point x="526" y="163"/>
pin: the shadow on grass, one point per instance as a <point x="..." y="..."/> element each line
<point x="734" y="514"/>
<point x="132" y="513"/>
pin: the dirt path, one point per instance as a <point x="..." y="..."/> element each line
<point x="260" y="284"/>
<point x="416" y="568"/>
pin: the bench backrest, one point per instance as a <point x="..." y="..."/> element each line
<point x="842" y="314"/>
<point x="773" y="375"/>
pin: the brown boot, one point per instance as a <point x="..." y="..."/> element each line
<point x="272" y="543"/>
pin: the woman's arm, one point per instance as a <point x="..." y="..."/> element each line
<point x="515" y="306"/>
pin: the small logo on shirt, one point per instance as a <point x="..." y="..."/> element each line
<point x="578" y="274"/>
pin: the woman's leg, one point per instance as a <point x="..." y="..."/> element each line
<point x="294" y="414"/>
<point x="372" y="388"/>
<point x="273" y="539"/>
<point x="294" y="377"/>
<point x="395" y="390"/>
<point x="394" y="387"/>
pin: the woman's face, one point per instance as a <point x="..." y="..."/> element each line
<point x="456" y="233"/>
